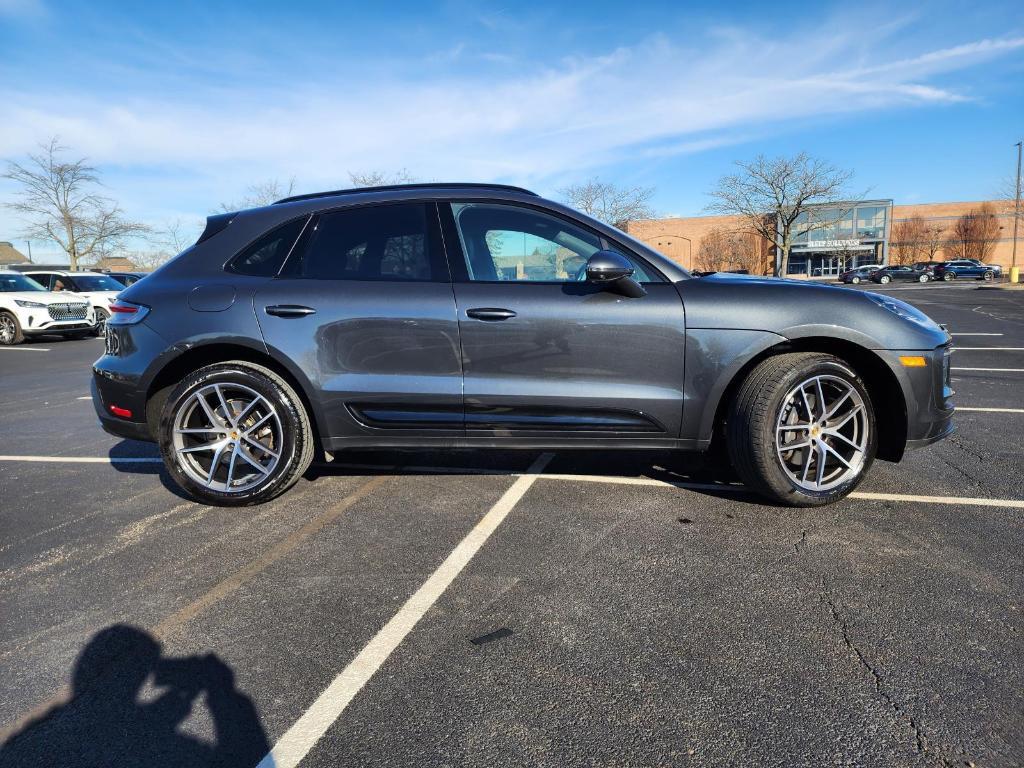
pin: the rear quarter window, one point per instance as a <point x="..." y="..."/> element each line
<point x="265" y="257"/>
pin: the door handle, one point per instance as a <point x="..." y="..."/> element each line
<point x="289" y="310"/>
<point x="490" y="313"/>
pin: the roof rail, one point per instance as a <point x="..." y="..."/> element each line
<point x="395" y="187"/>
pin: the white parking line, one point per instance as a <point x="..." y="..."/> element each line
<point x="26" y="349"/>
<point x="975" y="334"/>
<point x="86" y="459"/>
<point x="87" y="397"/>
<point x="1008" y="503"/>
<point x="990" y="410"/>
<point x="992" y="370"/>
<point x="314" y="722"/>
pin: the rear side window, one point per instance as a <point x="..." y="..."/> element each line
<point x="265" y="257"/>
<point x="382" y="242"/>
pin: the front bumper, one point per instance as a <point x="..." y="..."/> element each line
<point x="927" y="395"/>
<point x="58" y="327"/>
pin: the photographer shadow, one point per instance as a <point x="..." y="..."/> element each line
<point x="126" y="708"/>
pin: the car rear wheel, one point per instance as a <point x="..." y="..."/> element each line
<point x="855" y="280"/>
<point x="235" y="434"/>
<point x="922" y="278"/>
<point x="10" y="330"/>
<point x="884" y="279"/>
<point x="948" y="276"/>
<point x="801" y="429"/>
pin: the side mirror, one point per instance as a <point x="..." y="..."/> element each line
<point x="605" y="266"/>
<point x="615" y="272"/>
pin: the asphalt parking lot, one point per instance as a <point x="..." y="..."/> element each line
<point x="490" y="609"/>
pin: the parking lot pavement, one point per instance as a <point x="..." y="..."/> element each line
<point x="459" y="609"/>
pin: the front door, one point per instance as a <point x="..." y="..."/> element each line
<point x="366" y="309"/>
<point x="545" y="354"/>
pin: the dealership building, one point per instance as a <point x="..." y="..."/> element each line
<point x="841" y="236"/>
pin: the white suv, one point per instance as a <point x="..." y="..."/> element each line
<point x="98" y="289"/>
<point x="28" y="309"/>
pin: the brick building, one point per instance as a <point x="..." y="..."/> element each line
<point x="857" y="233"/>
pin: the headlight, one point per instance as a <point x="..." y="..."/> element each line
<point x="29" y="304"/>
<point x="904" y="310"/>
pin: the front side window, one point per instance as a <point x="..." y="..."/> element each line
<point x="97" y="283"/>
<point x="382" y="242"/>
<point x="13" y="282"/>
<point x="503" y="242"/>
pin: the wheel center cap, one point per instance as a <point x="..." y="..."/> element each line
<point x="815" y="430"/>
<point x="234" y="434"/>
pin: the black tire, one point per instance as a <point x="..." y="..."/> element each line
<point x="949" y="276"/>
<point x="922" y="278"/>
<point x="10" y="330"/>
<point x="101" y="321"/>
<point x="752" y="420"/>
<point x="296" y="448"/>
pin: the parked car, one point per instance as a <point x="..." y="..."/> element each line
<point x="900" y="272"/>
<point x="927" y="266"/>
<point x="951" y="270"/>
<point x="127" y="278"/>
<point x="460" y="315"/>
<point x="28" y="309"/>
<point x="859" y="274"/>
<point x="98" y="289"/>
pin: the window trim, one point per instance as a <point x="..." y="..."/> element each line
<point x="457" y="260"/>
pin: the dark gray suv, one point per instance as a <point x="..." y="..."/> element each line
<point x="483" y="316"/>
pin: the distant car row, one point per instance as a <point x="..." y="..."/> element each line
<point x="46" y="302"/>
<point x="923" y="271"/>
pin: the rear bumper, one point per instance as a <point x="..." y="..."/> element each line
<point x="116" y="425"/>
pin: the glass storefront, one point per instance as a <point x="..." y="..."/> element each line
<point x="832" y="239"/>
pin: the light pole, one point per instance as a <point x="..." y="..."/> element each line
<point x="689" y="246"/>
<point x="1016" y="209"/>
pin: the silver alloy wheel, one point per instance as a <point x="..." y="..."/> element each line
<point x="246" y="437"/>
<point x="7" y="329"/>
<point x="855" y="280"/>
<point x="923" y="279"/>
<point x="821" y="435"/>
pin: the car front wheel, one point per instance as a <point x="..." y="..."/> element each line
<point x="855" y="280"/>
<point x="987" y="277"/>
<point x="101" y="322"/>
<point x="10" y="330"/>
<point x="884" y="279"/>
<point x="922" y="278"/>
<point x="235" y="434"/>
<point x="801" y="430"/>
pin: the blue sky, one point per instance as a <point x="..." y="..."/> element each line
<point x="182" y="105"/>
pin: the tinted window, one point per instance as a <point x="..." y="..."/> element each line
<point x="13" y="282"/>
<point x="382" y="242"/>
<point x="265" y="257"/>
<point x="97" y="283"/>
<point x="513" y="243"/>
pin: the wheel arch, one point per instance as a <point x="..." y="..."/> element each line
<point x="884" y="388"/>
<point x="174" y="369"/>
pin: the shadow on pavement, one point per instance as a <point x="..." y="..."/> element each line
<point x="127" y="704"/>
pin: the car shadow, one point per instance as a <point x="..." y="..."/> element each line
<point x="126" y="707"/>
<point x="124" y="458"/>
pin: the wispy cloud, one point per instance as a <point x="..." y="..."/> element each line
<point x="650" y="100"/>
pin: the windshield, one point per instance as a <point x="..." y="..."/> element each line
<point x="97" y="283"/>
<point x="11" y="283"/>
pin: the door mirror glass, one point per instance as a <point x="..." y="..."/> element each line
<point x="606" y="266"/>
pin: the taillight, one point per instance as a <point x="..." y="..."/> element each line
<point x="125" y="313"/>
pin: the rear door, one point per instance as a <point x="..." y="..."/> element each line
<point x="365" y="308"/>
<point x="546" y="355"/>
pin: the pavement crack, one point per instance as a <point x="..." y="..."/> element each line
<point x="920" y="740"/>
<point x="801" y="542"/>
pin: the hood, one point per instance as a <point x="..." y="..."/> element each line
<point x="45" y="297"/>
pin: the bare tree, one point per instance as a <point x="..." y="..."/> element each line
<point x="610" y="203"/>
<point x="907" y="240"/>
<point x="723" y="248"/>
<point x="260" y="194"/>
<point x="59" y="202"/>
<point x="380" y="178"/>
<point x="974" y="234"/>
<point x="933" y="241"/>
<point x="772" y="194"/>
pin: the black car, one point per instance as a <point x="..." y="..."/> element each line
<point x="858" y="275"/>
<point x="900" y="272"/>
<point x="478" y="316"/>
<point x="127" y="278"/>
